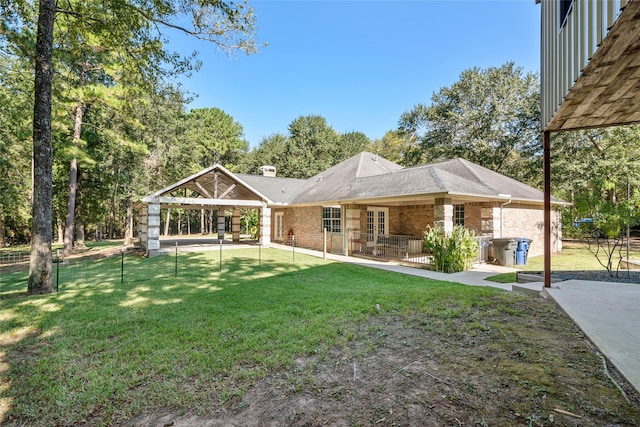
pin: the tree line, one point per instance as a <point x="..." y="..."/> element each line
<point x="111" y="127"/>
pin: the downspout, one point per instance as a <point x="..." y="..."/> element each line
<point x="501" y="215"/>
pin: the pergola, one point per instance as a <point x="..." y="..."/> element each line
<point x="214" y="188"/>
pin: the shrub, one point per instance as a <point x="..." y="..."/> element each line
<point x="451" y="252"/>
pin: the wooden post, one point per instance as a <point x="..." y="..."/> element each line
<point x="324" y="243"/>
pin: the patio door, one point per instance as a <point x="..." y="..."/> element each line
<point x="279" y="225"/>
<point x="377" y="224"/>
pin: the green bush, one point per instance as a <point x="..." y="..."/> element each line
<point x="451" y="252"/>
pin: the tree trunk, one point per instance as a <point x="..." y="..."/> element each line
<point x="3" y="243"/>
<point x="112" y="217"/>
<point x="73" y="183"/>
<point x="40" y="267"/>
<point x="79" y="241"/>
<point x="189" y="223"/>
<point x="128" y="231"/>
<point x="60" y="228"/>
<point x="180" y="222"/>
<point x="211" y="222"/>
<point x="166" y="223"/>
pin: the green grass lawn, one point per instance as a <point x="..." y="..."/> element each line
<point x="101" y="347"/>
<point x="101" y="351"/>
<point x="574" y="256"/>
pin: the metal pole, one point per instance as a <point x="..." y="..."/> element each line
<point x="58" y="269"/>
<point x="547" y="208"/>
<point x="628" y="220"/>
<point x="176" y="267"/>
<point x="293" y="247"/>
<point x="259" y="254"/>
<point x="220" y="254"/>
<point x="122" y="266"/>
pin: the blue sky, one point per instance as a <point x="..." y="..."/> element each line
<point x="359" y="64"/>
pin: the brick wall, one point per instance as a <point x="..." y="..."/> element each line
<point x="415" y="219"/>
<point x="302" y="220"/>
<point x="481" y="218"/>
<point x="522" y="220"/>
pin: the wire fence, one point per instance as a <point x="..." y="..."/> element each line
<point x="123" y="266"/>
<point x="177" y="262"/>
<point x="7" y="258"/>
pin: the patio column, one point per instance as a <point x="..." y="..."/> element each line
<point x="265" y="226"/>
<point x="235" y="224"/>
<point x="220" y="224"/>
<point x="443" y="213"/>
<point x="352" y="219"/>
<point x="153" y="229"/>
<point x="143" y="218"/>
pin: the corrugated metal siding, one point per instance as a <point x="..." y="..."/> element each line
<point x="566" y="51"/>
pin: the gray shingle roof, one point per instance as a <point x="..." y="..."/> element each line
<point x="277" y="189"/>
<point x="336" y="183"/>
<point x="368" y="176"/>
<point x="453" y="177"/>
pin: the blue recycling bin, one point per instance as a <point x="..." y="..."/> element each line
<point x="522" y="249"/>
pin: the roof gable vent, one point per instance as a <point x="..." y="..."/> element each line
<point x="268" y="171"/>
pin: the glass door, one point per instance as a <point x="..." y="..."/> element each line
<point x="377" y="224"/>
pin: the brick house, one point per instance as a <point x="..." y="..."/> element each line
<point x="363" y="197"/>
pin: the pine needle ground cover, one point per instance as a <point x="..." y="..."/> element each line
<point x="291" y="343"/>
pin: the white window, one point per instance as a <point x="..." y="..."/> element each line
<point x="458" y="215"/>
<point x="331" y="219"/>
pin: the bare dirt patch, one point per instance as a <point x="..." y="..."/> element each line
<point x="516" y="363"/>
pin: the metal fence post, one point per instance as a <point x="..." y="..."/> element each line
<point x="57" y="269"/>
<point x="259" y="254"/>
<point x="176" y="266"/>
<point x="220" y="254"/>
<point x="293" y="247"/>
<point x="122" y="266"/>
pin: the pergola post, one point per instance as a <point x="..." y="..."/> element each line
<point x="265" y="226"/>
<point x="220" y="224"/>
<point x="235" y="225"/>
<point x="153" y="229"/>
<point x="143" y="217"/>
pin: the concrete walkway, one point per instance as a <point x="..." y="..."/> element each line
<point x="608" y="313"/>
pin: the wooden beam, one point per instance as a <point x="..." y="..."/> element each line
<point x="229" y="190"/>
<point x="195" y="201"/>
<point x="215" y="184"/>
<point x="201" y="188"/>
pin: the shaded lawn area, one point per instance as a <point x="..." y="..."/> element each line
<point x="284" y="343"/>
